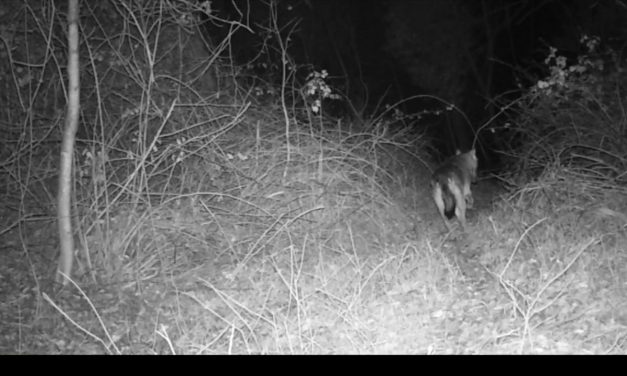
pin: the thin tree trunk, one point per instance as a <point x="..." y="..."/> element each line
<point x="66" y="239"/>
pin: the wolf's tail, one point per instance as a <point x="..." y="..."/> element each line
<point x="447" y="195"/>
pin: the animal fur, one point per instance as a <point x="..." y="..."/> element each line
<point x="451" y="187"/>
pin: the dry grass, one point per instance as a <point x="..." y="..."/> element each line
<point x="223" y="225"/>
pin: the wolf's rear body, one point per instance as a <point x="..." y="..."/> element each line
<point x="451" y="187"/>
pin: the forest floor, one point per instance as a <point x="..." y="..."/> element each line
<point x="428" y="292"/>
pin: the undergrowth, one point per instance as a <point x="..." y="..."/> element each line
<point x="216" y="214"/>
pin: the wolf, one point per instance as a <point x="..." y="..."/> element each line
<point x="451" y="186"/>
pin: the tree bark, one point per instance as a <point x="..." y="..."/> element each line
<point x="66" y="238"/>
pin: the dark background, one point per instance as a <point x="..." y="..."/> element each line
<point x="473" y="54"/>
